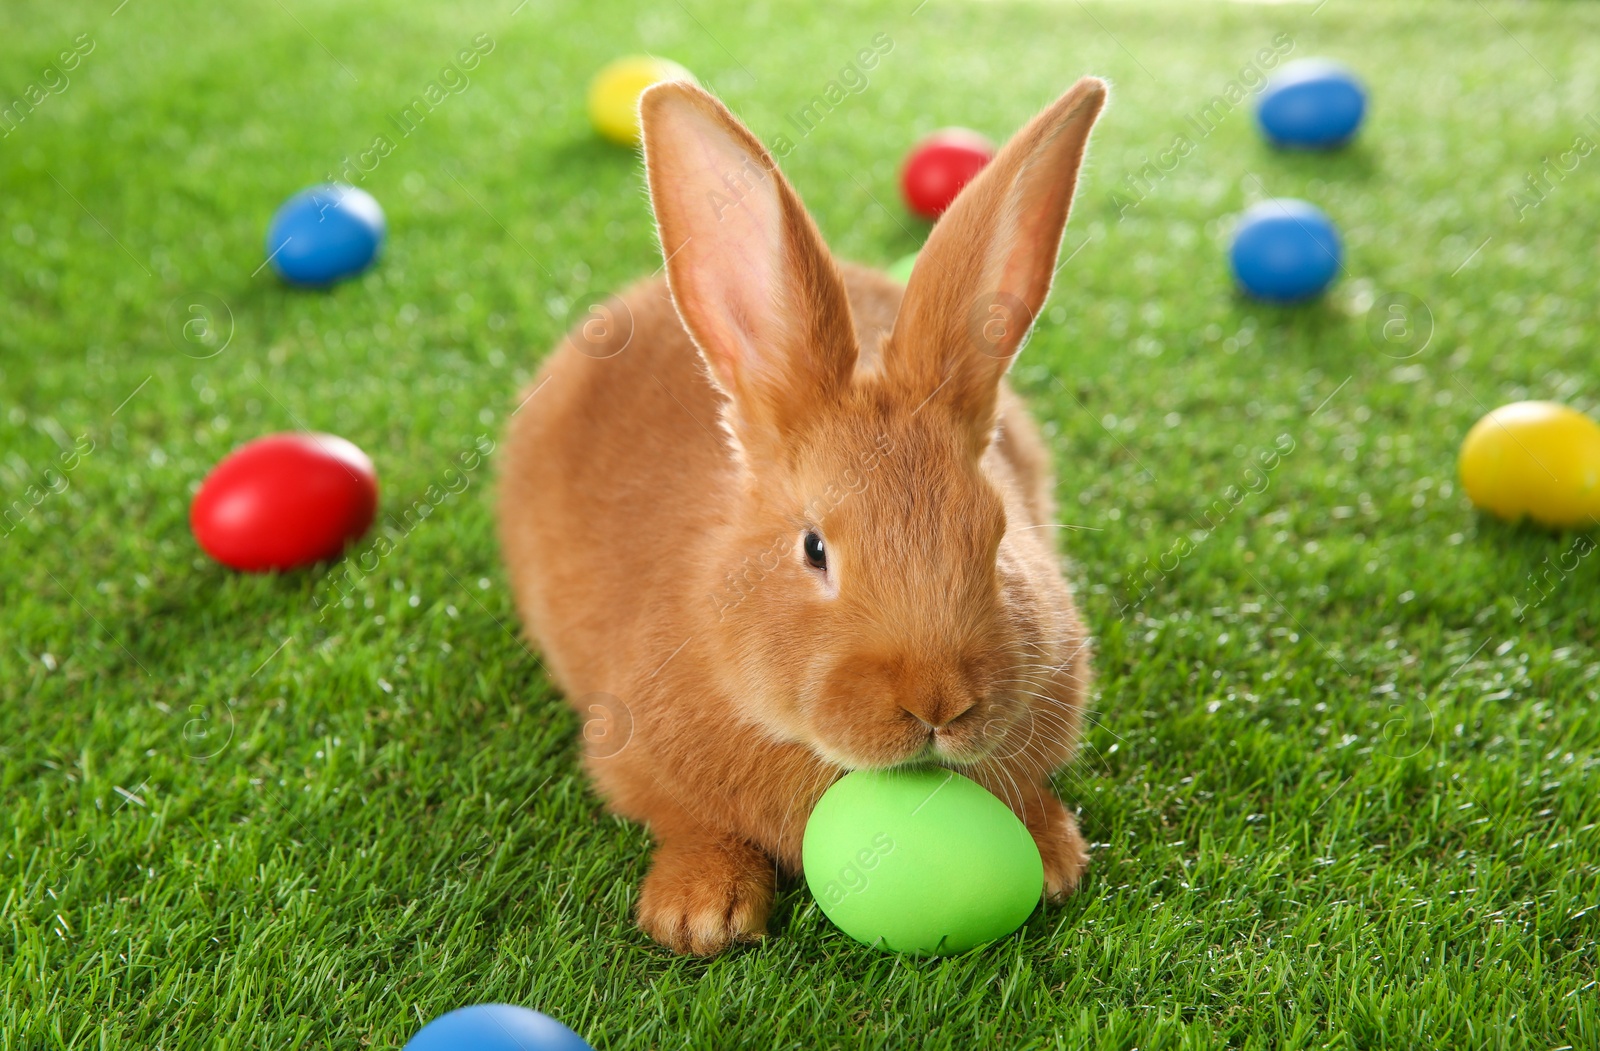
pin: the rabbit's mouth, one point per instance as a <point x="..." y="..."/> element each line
<point x="937" y="752"/>
<point x="937" y="748"/>
<point x="953" y="747"/>
<point x="927" y="755"/>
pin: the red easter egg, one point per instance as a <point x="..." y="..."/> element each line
<point x="939" y="166"/>
<point x="284" y="501"/>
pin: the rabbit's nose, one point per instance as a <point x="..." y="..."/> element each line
<point x="939" y="712"/>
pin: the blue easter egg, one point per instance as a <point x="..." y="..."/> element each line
<point x="1312" y="104"/>
<point x="496" y="1027"/>
<point x="1285" y="250"/>
<point x="325" y="234"/>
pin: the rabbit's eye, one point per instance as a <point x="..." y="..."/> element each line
<point x="815" y="553"/>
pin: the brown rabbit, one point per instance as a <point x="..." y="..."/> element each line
<point x="781" y="520"/>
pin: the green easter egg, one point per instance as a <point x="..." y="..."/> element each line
<point x="900" y="269"/>
<point x="920" y="861"/>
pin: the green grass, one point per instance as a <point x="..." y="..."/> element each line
<point x="1341" y="783"/>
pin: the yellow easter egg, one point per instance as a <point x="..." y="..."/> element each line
<point x="1535" y="459"/>
<point x="614" y="94"/>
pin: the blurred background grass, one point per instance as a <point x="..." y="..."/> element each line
<point x="1340" y="781"/>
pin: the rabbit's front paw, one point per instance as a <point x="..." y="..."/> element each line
<point x="702" y="895"/>
<point x="1061" y="847"/>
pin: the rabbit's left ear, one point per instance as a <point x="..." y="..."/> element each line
<point x="988" y="265"/>
<point x="750" y="275"/>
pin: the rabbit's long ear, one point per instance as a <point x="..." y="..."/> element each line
<point x="987" y="268"/>
<point x="752" y="280"/>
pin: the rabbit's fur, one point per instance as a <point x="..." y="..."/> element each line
<point x="665" y="467"/>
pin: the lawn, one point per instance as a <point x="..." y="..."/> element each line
<point x="1341" y="781"/>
